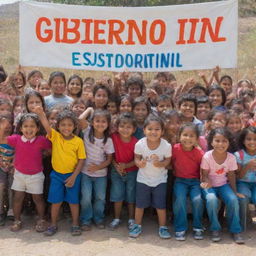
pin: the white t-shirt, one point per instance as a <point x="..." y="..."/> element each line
<point x="96" y="153"/>
<point x="151" y="175"/>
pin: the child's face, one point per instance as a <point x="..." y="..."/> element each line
<point x="140" y="112"/>
<point x="245" y="118"/>
<point x="203" y="110"/>
<point x="162" y="81"/>
<point x="8" y="127"/>
<point x="66" y="128"/>
<point x="250" y="142"/>
<point x="78" y="109"/>
<point x="112" y="108"/>
<point x="220" y="143"/>
<point x="134" y="91"/>
<point x="188" y="139"/>
<point x="44" y="89"/>
<point x="172" y="125"/>
<point x="74" y="86"/>
<point x="29" y="129"/>
<point x="153" y="131"/>
<point x="87" y="93"/>
<point x="125" y="106"/>
<point x="58" y="86"/>
<point x="33" y="102"/>
<point x="53" y="118"/>
<point x="126" y="130"/>
<point x="18" y="108"/>
<point x="18" y="81"/>
<point x="187" y="109"/>
<point x="235" y="124"/>
<point x="163" y="106"/>
<point x="101" y="98"/>
<point x="215" y="98"/>
<point x="34" y="80"/>
<point x="12" y="94"/>
<point x="239" y="108"/>
<point x="100" y="124"/>
<point x="218" y="121"/>
<point x="226" y="85"/>
<point x="5" y="109"/>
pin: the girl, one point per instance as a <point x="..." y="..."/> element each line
<point x="125" y="104"/>
<point x="135" y="86"/>
<point x="44" y="88"/>
<point x="78" y="107"/>
<point x="234" y="123"/>
<point x="34" y="78"/>
<point x="246" y="159"/>
<point x="18" y="106"/>
<point x="101" y="94"/>
<point x="186" y="159"/>
<point x="216" y="119"/>
<point x="218" y="167"/>
<point x="57" y="82"/>
<point x="5" y="106"/>
<point x="94" y="172"/>
<point x="152" y="156"/>
<point x="124" y="171"/>
<point x="68" y="156"/>
<point x="28" y="175"/>
<point x="217" y="97"/>
<point x="32" y="100"/>
<point x="6" y="168"/>
<point x="75" y="86"/>
<point x="113" y="105"/>
<point x="226" y="83"/>
<point x="18" y="82"/>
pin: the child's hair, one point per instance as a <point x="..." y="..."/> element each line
<point x="221" y="90"/>
<point x="9" y="118"/>
<point x="243" y="135"/>
<point x="3" y="74"/>
<point x="81" y="83"/>
<point x="116" y="99"/>
<point x="27" y="116"/>
<point x="16" y="100"/>
<point x="249" y="83"/>
<point x="102" y="87"/>
<point x="214" y="112"/>
<point x="164" y="97"/>
<point x="66" y="114"/>
<point x="89" y="80"/>
<point x="237" y="101"/>
<point x="203" y="100"/>
<point x="198" y="87"/>
<point x="226" y="77"/>
<point x="56" y="74"/>
<point x="126" y="118"/>
<point x="162" y="74"/>
<point x="188" y="97"/>
<point x="140" y="100"/>
<point x="168" y="114"/>
<point x="30" y="93"/>
<point x="135" y="80"/>
<point x="23" y="76"/>
<point x="77" y="101"/>
<point x="99" y="112"/>
<point x="225" y="133"/>
<point x="190" y="126"/>
<point x="7" y="102"/>
<point x="33" y="72"/>
<point x="154" y="118"/>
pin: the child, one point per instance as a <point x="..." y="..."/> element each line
<point x="34" y="78"/>
<point x="94" y="172"/>
<point x="57" y="82"/>
<point x="234" y="123"/>
<point x="113" y="105"/>
<point x="44" y="88"/>
<point x="5" y="106"/>
<point x="217" y="97"/>
<point x="18" y="82"/>
<point x="163" y="103"/>
<point x="135" y="87"/>
<point x="28" y="175"/>
<point x="152" y="156"/>
<point x="218" y="167"/>
<point x="246" y="160"/>
<point x="186" y="160"/>
<point x="101" y="94"/>
<point x="203" y="108"/>
<point x="125" y="104"/>
<point x="124" y="171"/>
<point x="68" y="156"/>
<point x="75" y="86"/>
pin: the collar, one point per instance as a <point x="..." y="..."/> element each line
<point x="24" y="139"/>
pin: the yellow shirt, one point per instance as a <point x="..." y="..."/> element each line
<point x="66" y="153"/>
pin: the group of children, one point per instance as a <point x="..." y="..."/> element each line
<point x="162" y="145"/>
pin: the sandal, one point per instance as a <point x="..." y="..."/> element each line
<point x="76" y="231"/>
<point x="16" y="226"/>
<point x="41" y="225"/>
<point x="51" y="231"/>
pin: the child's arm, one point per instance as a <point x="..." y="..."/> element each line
<point x="42" y="116"/>
<point x="96" y="167"/>
<point x="232" y="181"/>
<point x="3" y="125"/>
<point x="82" y="118"/>
<point x="70" y="181"/>
<point x="139" y="162"/>
<point x="205" y="182"/>
<point x="161" y="164"/>
<point x="242" y="170"/>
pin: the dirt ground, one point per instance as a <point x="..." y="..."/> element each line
<point x="115" y="243"/>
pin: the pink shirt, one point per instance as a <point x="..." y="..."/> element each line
<point x="218" y="172"/>
<point x="28" y="153"/>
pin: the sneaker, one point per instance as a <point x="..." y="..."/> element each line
<point x="180" y="236"/>
<point x="164" y="232"/>
<point x="130" y="223"/>
<point x="198" y="234"/>
<point x="215" y="236"/>
<point x="2" y="219"/>
<point x="238" y="238"/>
<point x="115" y="223"/>
<point x="135" y="231"/>
<point x="86" y="227"/>
<point x="51" y="230"/>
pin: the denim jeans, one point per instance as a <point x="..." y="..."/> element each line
<point x="183" y="188"/>
<point x="249" y="190"/>
<point x="227" y="195"/>
<point x="93" y="195"/>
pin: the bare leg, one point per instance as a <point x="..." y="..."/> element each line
<point x="131" y="210"/>
<point x="139" y="215"/>
<point x="161" y="213"/>
<point x="18" y="203"/>
<point x="118" y="209"/>
<point x="55" y="208"/>
<point x="75" y="214"/>
<point x="40" y="205"/>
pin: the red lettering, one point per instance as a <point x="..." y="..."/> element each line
<point x="67" y="30"/>
<point x="182" y="23"/>
<point x="115" y="32"/>
<point x="98" y="31"/>
<point x="152" y="32"/>
<point x="141" y="35"/>
<point x="192" y="31"/>
<point x="87" y="23"/>
<point x="48" y="32"/>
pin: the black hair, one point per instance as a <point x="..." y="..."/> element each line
<point x="16" y="99"/>
<point x="89" y="80"/>
<point x="221" y="90"/>
<point x="198" y="87"/>
<point x="5" y="101"/>
<point x="33" y="72"/>
<point x="225" y="133"/>
<point x="8" y="117"/>
<point x="243" y="134"/>
<point x="214" y="112"/>
<point x="66" y="114"/>
<point x="226" y="77"/>
<point x="164" y="97"/>
<point x="140" y="100"/>
<point x="99" y="112"/>
<point x="81" y="83"/>
<point x="29" y="93"/>
<point x="167" y="114"/>
<point x="190" y="126"/>
<point x="188" y="97"/>
<point x="162" y="74"/>
<point x="56" y="74"/>
<point x="126" y="117"/>
<point x="203" y="100"/>
<point x="135" y="80"/>
<point x="114" y="98"/>
<point x="154" y="118"/>
<point x="3" y="74"/>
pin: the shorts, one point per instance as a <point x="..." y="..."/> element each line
<point x="33" y="184"/>
<point x="59" y="193"/>
<point x="123" y="188"/>
<point x="151" y="196"/>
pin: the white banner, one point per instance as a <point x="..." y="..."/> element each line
<point x="166" y="38"/>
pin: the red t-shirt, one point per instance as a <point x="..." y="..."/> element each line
<point x="124" y="151"/>
<point x="186" y="164"/>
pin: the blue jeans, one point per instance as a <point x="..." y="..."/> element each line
<point x="183" y="188"/>
<point x="227" y="195"/>
<point x="249" y="190"/>
<point x="93" y="195"/>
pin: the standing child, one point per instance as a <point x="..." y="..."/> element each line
<point x="186" y="160"/>
<point x="68" y="156"/>
<point x="28" y="174"/>
<point x="218" y="167"/>
<point x="152" y="156"/>
<point x="124" y="171"/>
<point x="75" y="86"/>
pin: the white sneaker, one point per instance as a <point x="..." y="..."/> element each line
<point x="114" y="224"/>
<point x="130" y="224"/>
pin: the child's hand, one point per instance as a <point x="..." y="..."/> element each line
<point x="93" y="168"/>
<point x="70" y="181"/>
<point x="142" y="163"/>
<point x="38" y="110"/>
<point x="121" y="169"/>
<point x="216" y="70"/>
<point x="252" y="164"/>
<point x="205" y="185"/>
<point x="240" y="195"/>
